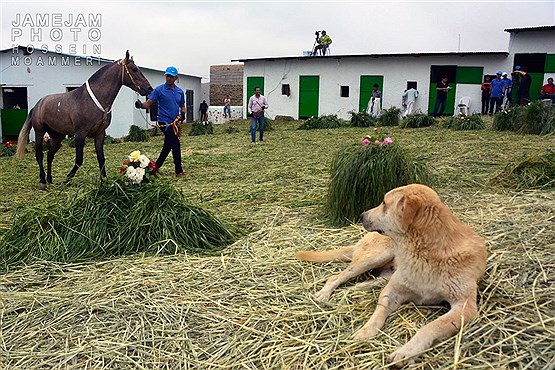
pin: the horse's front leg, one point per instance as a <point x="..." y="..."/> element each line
<point x="55" y="142"/>
<point x="99" y="147"/>
<point x="39" y="155"/>
<point x="79" y="146"/>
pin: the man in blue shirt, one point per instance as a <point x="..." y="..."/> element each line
<point x="508" y="87"/>
<point x="171" y="107"/>
<point x="497" y="90"/>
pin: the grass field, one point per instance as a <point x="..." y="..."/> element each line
<point x="251" y="307"/>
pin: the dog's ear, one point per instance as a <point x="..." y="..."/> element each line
<point x="409" y="205"/>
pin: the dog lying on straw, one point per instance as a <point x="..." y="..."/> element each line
<point x="430" y="256"/>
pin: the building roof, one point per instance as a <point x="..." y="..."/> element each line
<point x="414" y="55"/>
<point x="99" y="59"/>
<point x="527" y="29"/>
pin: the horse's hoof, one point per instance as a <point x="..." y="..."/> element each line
<point x="42" y="186"/>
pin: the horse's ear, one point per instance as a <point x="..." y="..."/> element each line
<point x="126" y="56"/>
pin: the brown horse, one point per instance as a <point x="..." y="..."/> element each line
<point x="83" y="112"/>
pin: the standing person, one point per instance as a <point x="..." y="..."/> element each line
<point x="410" y="95"/>
<point x="497" y="89"/>
<point x="524" y="87"/>
<point x="508" y="83"/>
<point x="374" y="103"/>
<point x="227" y="107"/>
<point x="442" y="87"/>
<point x="171" y="108"/>
<point x="257" y="104"/>
<point x="203" y="111"/>
<point x="486" y="94"/>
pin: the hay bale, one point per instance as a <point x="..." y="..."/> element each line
<point x="509" y="119"/>
<point x="361" y="175"/>
<point x="113" y="220"/>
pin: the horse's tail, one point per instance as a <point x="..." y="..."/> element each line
<point x="23" y="137"/>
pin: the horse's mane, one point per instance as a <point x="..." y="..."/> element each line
<point x="98" y="74"/>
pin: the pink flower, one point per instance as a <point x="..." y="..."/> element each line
<point x="387" y="141"/>
<point x="377" y="142"/>
<point x="365" y="142"/>
<point x="375" y="129"/>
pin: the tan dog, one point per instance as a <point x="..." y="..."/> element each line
<point x="438" y="259"/>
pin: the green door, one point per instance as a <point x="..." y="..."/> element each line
<point x="309" y="87"/>
<point x="436" y="73"/>
<point x="253" y="82"/>
<point x="536" y="85"/>
<point x="12" y="121"/>
<point x="366" y="87"/>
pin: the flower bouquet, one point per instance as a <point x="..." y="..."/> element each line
<point x="377" y="138"/>
<point x="7" y="149"/>
<point x="138" y="169"/>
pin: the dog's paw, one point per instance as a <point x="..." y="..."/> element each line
<point x="402" y="357"/>
<point x="322" y="296"/>
<point x="365" y="333"/>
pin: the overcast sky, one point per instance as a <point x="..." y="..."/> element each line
<point x="194" y="35"/>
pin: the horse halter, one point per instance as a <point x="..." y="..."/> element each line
<point x="124" y="69"/>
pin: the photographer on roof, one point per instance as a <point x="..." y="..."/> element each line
<point x="323" y="42"/>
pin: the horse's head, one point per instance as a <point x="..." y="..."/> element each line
<point x="132" y="77"/>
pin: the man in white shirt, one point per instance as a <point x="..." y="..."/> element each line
<point x="410" y="95"/>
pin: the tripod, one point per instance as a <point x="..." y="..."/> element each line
<point x="313" y="53"/>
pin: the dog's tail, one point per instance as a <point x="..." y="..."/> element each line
<point x="334" y="255"/>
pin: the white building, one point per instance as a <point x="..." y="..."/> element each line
<point x="26" y="77"/>
<point x="304" y="86"/>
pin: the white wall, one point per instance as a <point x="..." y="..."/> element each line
<point x="336" y="71"/>
<point x="532" y="42"/>
<point x="42" y="80"/>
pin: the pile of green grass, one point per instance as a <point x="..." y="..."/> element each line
<point x="322" y="122"/>
<point x="361" y="119"/>
<point x="199" y="128"/>
<point x="509" y="119"/>
<point x="535" y="118"/>
<point x="284" y="118"/>
<point x="231" y="130"/>
<point x="538" y="119"/>
<point x="463" y="122"/>
<point x="390" y="117"/>
<point x="361" y="175"/>
<point x="417" y="120"/>
<point x="137" y="134"/>
<point x="535" y="172"/>
<point x="112" y="220"/>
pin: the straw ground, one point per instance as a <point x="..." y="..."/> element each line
<point x="251" y="307"/>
